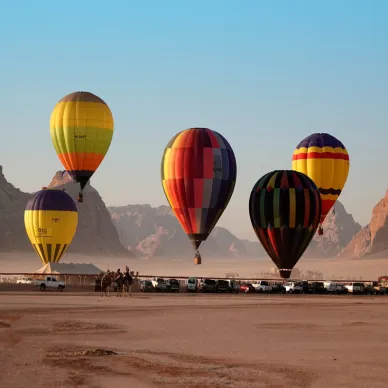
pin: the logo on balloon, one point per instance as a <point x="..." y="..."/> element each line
<point x="44" y="232"/>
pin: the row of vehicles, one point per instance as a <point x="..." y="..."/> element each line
<point x="193" y="284"/>
<point x="291" y="287"/>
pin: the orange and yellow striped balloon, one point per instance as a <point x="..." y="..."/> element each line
<point x="81" y="128"/>
<point x="325" y="160"/>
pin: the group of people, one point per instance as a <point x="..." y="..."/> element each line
<point x="122" y="281"/>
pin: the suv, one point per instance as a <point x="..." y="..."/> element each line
<point x="208" y="285"/>
<point x="293" y="288"/>
<point x="262" y="286"/>
<point x="355" y="288"/>
<point x="159" y="284"/>
<point x="223" y="285"/>
<point x="172" y="285"/>
<point x="316" y="288"/>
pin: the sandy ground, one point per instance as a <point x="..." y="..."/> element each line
<point x="364" y="269"/>
<point x="53" y="339"/>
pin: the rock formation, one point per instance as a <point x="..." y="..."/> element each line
<point x="12" y="203"/>
<point x="96" y="234"/>
<point x="373" y="238"/>
<point x="339" y="228"/>
<point x="156" y="232"/>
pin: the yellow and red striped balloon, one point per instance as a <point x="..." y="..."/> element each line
<point x="81" y="128"/>
<point x="325" y="160"/>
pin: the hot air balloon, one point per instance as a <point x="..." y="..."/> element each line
<point x="325" y="160"/>
<point x="285" y="208"/>
<point x="51" y="219"/>
<point x="198" y="175"/>
<point x="81" y="128"/>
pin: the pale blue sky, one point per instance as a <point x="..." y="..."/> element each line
<point x="265" y="74"/>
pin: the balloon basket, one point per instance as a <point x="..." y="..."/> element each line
<point x="197" y="260"/>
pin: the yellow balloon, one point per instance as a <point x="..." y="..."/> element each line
<point x="325" y="160"/>
<point x="51" y="219"/>
<point x="81" y="128"/>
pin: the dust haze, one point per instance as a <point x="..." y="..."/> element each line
<point x="335" y="268"/>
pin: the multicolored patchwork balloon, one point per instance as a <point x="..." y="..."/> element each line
<point x="81" y="128"/>
<point x="50" y="219"/>
<point x="285" y="208"/>
<point x="198" y="176"/>
<point x="324" y="159"/>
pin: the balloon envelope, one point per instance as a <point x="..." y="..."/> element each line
<point x="81" y="128"/>
<point x="325" y="160"/>
<point x="50" y="219"/>
<point x="198" y="176"/>
<point x="285" y="208"/>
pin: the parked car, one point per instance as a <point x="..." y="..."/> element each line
<point x="50" y="282"/>
<point x="24" y="281"/>
<point x="223" y="285"/>
<point x="306" y="286"/>
<point x="316" y="288"/>
<point x="246" y="287"/>
<point x="278" y="288"/>
<point x="355" y="288"/>
<point x="381" y="287"/>
<point x="172" y="285"/>
<point x="341" y="289"/>
<point x="208" y="285"/>
<point x="147" y="286"/>
<point x="192" y="285"/>
<point x="159" y="284"/>
<point x="262" y="286"/>
<point x="369" y="289"/>
<point x="234" y="286"/>
<point x="330" y="287"/>
<point x="293" y="288"/>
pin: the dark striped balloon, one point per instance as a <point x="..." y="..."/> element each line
<point x="285" y="209"/>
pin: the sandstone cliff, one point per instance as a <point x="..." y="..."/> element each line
<point x="156" y="232"/>
<point x="96" y="234"/>
<point x="339" y="228"/>
<point x="373" y="238"/>
<point x="12" y="203"/>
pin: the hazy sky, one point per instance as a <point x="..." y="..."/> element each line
<point x="265" y="74"/>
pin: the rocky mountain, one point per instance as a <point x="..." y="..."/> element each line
<point x="12" y="203"/>
<point x="338" y="230"/>
<point x="156" y="232"/>
<point x="373" y="238"/>
<point x="96" y="234"/>
<point x="146" y="231"/>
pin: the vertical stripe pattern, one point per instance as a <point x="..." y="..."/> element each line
<point x="198" y="173"/>
<point x="285" y="207"/>
<point x="50" y="219"/>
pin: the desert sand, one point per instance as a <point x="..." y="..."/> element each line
<point x="154" y="340"/>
